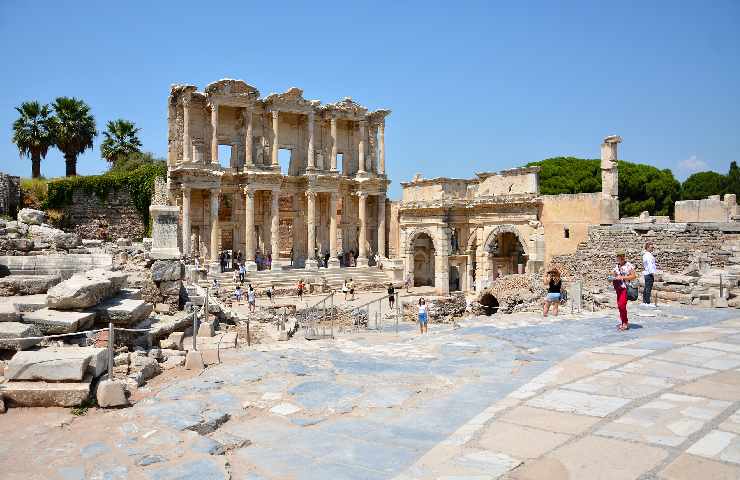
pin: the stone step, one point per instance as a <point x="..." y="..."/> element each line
<point x="11" y="331"/>
<point x="29" y="303"/>
<point x="122" y="311"/>
<point x="27" y="284"/>
<point x="8" y="313"/>
<point x="69" y="364"/>
<point x="46" y="394"/>
<point x="55" y="322"/>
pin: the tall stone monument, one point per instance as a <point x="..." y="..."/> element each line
<point x="609" y="170"/>
<point x="165" y="219"/>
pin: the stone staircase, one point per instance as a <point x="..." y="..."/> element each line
<point x="289" y="278"/>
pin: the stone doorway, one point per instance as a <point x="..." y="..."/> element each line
<point x="423" y="255"/>
<point x="506" y="255"/>
<point x="455" y="281"/>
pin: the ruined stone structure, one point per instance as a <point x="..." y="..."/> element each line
<point x="10" y="194"/>
<point x="328" y="197"/>
<point x="461" y="234"/>
<point x="712" y="209"/>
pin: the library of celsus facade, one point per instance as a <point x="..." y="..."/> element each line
<point x="280" y="177"/>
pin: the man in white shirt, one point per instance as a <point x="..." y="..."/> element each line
<point x="650" y="268"/>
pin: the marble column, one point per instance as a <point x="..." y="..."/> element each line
<point x="187" y="144"/>
<point x="214" y="228"/>
<point x="333" y="260"/>
<point x="311" y="164"/>
<point x="381" y="147"/>
<point x="381" y="226"/>
<point x="469" y="271"/>
<point x="333" y="144"/>
<point x="234" y="160"/>
<point x="361" y="148"/>
<point x="362" y="239"/>
<point x="275" y="139"/>
<point x="249" y="255"/>
<point x="214" y="133"/>
<point x="275" y="230"/>
<point x="248" y="160"/>
<point x="186" y="231"/>
<point x="311" y="263"/>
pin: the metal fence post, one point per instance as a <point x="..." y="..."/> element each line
<point x="331" y="314"/>
<point x="111" y="339"/>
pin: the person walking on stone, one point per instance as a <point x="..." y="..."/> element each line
<point x="235" y="276"/>
<point x="299" y="289"/>
<point x="242" y="272"/>
<point x="650" y="269"/>
<point x="554" y="286"/>
<point x="270" y="291"/>
<point x="423" y="316"/>
<point x="622" y="273"/>
<point x="345" y="289"/>
<point x="391" y="296"/>
<point x="238" y="294"/>
<point x="251" y="298"/>
<point x="351" y="290"/>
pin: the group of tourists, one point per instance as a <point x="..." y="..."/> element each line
<point x="622" y="277"/>
<point x="251" y="295"/>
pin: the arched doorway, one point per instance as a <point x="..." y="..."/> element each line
<point x="506" y="253"/>
<point x="423" y="255"/>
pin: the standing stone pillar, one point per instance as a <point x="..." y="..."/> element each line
<point x="333" y="144"/>
<point x="333" y="260"/>
<point x="165" y="220"/>
<point x="381" y="226"/>
<point x="186" y="221"/>
<point x="214" y="133"/>
<point x="187" y="144"/>
<point x="361" y="148"/>
<point x="215" y="231"/>
<point x="362" y="240"/>
<point x="275" y="139"/>
<point x="234" y="160"/>
<point x="311" y="164"/>
<point x="469" y="271"/>
<point x="311" y="263"/>
<point x="275" y="230"/>
<point x="249" y="262"/>
<point x="248" y="161"/>
<point x="609" y="171"/>
<point x="381" y="147"/>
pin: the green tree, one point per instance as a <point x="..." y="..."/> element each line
<point x="33" y="133"/>
<point x="733" y="179"/>
<point x="74" y="130"/>
<point x="569" y="175"/>
<point x="136" y="160"/>
<point x="120" y="141"/>
<point x="703" y="184"/>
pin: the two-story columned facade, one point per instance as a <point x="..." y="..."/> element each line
<point x="226" y="147"/>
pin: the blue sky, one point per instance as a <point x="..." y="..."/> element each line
<point x="474" y="86"/>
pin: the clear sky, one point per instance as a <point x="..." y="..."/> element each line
<point x="473" y="86"/>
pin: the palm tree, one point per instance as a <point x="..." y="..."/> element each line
<point x="74" y="130"/>
<point x="120" y="140"/>
<point x="33" y="133"/>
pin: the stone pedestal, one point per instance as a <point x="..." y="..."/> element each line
<point x="362" y="262"/>
<point x="312" y="265"/>
<point x="250" y="266"/>
<point x="334" y="263"/>
<point x="165" y="221"/>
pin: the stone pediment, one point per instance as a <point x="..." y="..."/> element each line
<point x="230" y="87"/>
<point x="291" y="100"/>
<point x="348" y="108"/>
<point x="180" y="91"/>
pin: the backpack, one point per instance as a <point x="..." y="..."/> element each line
<point x="632" y="292"/>
<point x="563" y="296"/>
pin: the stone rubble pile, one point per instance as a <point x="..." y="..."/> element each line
<point x="30" y="235"/>
<point x="514" y="293"/>
<point x="442" y="309"/>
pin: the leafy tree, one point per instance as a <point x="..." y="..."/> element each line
<point x="569" y="175"/>
<point x="33" y="133"/>
<point x="74" y="130"/>
<point x="121" y="140"/>
<point x="703" y="184"/>
<point x="733" y="179"/>
<point x="135" y="160"/>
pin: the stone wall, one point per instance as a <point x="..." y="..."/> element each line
<point x="110" y="218"/>
<point x="712" y="209"/>
<point x="10" y="195"/>
<point x="676" y="246"/>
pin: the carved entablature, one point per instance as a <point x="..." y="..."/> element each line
<point x="347" y="109"/>
<point x="378" y="117"/>
<point x="181" y="93"/>
<point x="290" y="101"/>
<point x="231" y="92"/>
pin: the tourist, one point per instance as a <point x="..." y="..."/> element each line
<point x="291" y="256"/>
<point x="238" y="294"/>
<point x="345" y="289"/>
<point x="650" y="269"/>
<point x="623" y="272"/>
<point x="326" y="259"/>
<point x="554" y="286"/>
<point x="299" y="289"/>
<point x="270" y="290"/>
<point x="214" y="286"/>
<point x="351" y="290"/>
<point x="391" y="295"/>
<point x="351" y="258"/>
<point x="407" y="282"/>
<point x="242" y="272"/>
<point x="269" y="262"/>
<point x="251" y="300"/>
<point x="235" y="276"/>
<point x="376" y="259"/>
<point x="423" y="315"/>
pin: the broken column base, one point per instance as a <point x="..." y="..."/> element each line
<point x="194" y="361"/>
<point x="46" y="394"/>
<point x="111" y="394"/>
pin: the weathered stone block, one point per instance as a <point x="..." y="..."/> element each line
<point x="170" y="287"/>
<point x="46" y="394"/>
<point x="43" y="234"/>
<point x="31" y="216"/>
<point x="57" y="364"/>
<point x="122" y="311"/>
<point x="65" y="241"/>
<point x="164" y="270"/>
<point x="29" y="303"/>
<point x="12" y="332"/>
<point x="54" y="322"/>
<point x="8" y="313"/>
<point x="84" y="290"/>
<point x="111" y="394"/>
<point x="20" y="244"/>
<point x="27" y="284"/>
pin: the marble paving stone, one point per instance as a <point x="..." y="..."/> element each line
<point x="732" y="424"/>
<point x="620" y="384"/>
<point x="701" y="357"/>
<point x="720" y="386"/>
<point x="724" y="346"/>
<point x="491" y="463"/>
<point x="668" y="420"/>
<point x="691" y="467"/>
<point x="657" y="368"/>
<point x="623" y="350"/>
<point x="518" y="441"/>
<point x="592" y="458"/>
<point x="718" y="445"/>
<point x="549" y="420"/>
<point x="578" y="402"/>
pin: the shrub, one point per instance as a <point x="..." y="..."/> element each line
<point x="33" y="192"/>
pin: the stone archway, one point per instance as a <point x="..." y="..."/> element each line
<point x="426" y="251"/>
<point x="503" y="252"/>
<point x="423" y="260"/>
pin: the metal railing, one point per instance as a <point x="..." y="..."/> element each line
<point x="369" y="315"/>
<point x="314" y="319"/>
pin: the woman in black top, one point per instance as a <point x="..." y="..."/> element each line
<point x="554" y="285"/>
<point x="391" y="295"/>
